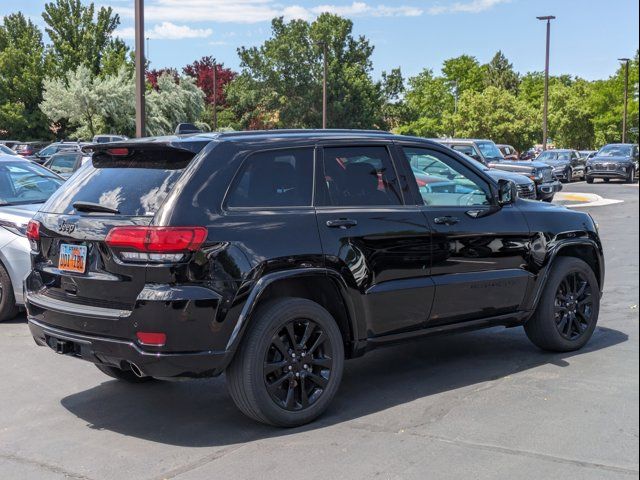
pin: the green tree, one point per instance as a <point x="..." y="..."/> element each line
<point x="496" y="114"/>
<point x="430" y="105"/>
<point x="463" y="73"/>
<point x="499" y="73"/>
<point x="570" y="118"/>
<point x="79" y="36"/>
<point x="281" y="81"/>
<point x="173" y="102"/>
<point x="21" y="76"/>
<point x="394" y="109"/>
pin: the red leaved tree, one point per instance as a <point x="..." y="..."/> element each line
<point x="202" y="71"/>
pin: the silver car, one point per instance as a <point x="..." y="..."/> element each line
<point x="24" y="186"/>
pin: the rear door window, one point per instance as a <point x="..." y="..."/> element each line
<point x="275" y="178"/>
<point x="136" y="184"/>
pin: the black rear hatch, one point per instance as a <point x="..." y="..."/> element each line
<point x="123" y="185"/>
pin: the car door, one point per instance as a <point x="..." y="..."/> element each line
<point x="578" y="163"/>
<point x="479" y="250"/>
<point x="377" y="241"/>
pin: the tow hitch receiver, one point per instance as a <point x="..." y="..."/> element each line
<point x="63" y="347"/>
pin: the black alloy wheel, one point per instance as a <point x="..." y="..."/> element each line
<point x="297" y="364"/>
<point x="573" y="306"/>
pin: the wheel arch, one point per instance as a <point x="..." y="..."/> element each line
<point x="585" y="249"/>
<point x="320" y="285"/>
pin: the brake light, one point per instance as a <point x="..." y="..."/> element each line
<point x="33" y="230"/>
<point x="152" y="339"/>
<point x="157" y="239"/>
<point x="118" y="152"/>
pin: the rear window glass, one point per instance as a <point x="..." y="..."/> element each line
<point x="278" y="178"/>
<point x="135" y="185"/>
<point x="63" y="163"/>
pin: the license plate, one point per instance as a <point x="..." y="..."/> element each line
<point x="73" y="258"/>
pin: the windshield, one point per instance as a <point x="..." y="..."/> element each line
<point x="489" y="150"/>
<point x="615" y="151"/>
<point x="551" y="157"/>
<point x="24" y="182"/>
<point x="50" y="150"/>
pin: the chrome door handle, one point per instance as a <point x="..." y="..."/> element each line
<point x="447" y="220"/>
<point x="341" y="223"/>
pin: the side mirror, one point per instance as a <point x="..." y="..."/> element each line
<point x="507" y="192"/>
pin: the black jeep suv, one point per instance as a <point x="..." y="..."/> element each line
<point x="273" y="256"/>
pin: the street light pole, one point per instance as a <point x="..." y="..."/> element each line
<point x="626" y="98"/>
<point x="324" y="85"/>
<point x="215" y="96"/>
<point x="140" y="68"/>
<point x="545" y="108"/>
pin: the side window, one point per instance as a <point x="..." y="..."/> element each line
<point x="444" y="182"/>
<point x="359" y="176"/>
<point x="467" y="150"/>
<point x="277" y="178"/>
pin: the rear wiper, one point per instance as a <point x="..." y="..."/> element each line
<point x="93" y="207"/>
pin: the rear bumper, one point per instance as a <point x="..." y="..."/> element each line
<point x="122" y="353"/>
<point x="549" y="189"/>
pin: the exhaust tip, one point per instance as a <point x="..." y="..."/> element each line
<point x="136" y="370"/>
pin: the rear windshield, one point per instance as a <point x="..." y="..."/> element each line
<point x="134" y="185"/>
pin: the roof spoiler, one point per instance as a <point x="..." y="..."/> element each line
<point x="127" y="147"/>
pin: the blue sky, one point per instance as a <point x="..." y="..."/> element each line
<point x="587" y="36"/>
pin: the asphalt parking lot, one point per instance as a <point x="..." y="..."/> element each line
<point x="480" y="405"/>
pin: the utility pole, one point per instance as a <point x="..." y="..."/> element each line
<point x="140" y="68"/>
<point x="626" y="98"/>
<point x="545" y="108"/>
<point x="324" y="85"/>
<point x="215" y="96"/>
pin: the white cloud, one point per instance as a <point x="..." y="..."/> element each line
<point x="168" y="31"/>
<point x="473" y="6"/>
<point x="256" y="11"/>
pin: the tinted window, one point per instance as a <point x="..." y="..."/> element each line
<point x="136" y="184"/>
<point x="444" y="182"/>
<point x="489" y="150"/>
<point x="466" y="149"/>
<point x="63" y="163"/>
<point x="277" y="178"/>
<point x="359" y="176"/>
<point x="24" y="182"/>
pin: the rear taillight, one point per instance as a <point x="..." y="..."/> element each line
<point x="152" y="339"/>
<point x="33" y="234"/>
<point x="33" y="230"/>
<point x="155" y="244"/>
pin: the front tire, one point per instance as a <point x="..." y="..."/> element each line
<point x="567" y="312"/>
<point x="631" y="175"/>
<point x="289" y="365"/>
<point x="8" y="307"/>
<point x="568" y="176"/>
<point x="589" y="179"/>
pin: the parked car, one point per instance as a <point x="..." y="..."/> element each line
<point x="530" y="154"/>
<point x="109" y="138"/>
<point x="431" y="166"/>
<point x="9" y="143"/>
<point x="486" y="152"/>
<point x="65" y="162"/>
<point x="25" y="149"/>
<point x="587" y="154"/>
<point x="508" y="152"/>
<point x="4" y="150"/>
<point x="615" y="160"/>
<point x="192" y="256"/>
<point x="43" y="155"/>
<point x="24" y="186"/>
<point x="567" y="164"/>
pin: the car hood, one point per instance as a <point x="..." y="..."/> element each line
<point x="504" y="175"/>
<point x="610" y="159"/>
<point x="523" y="167"/>
<point x="19" y="213"/>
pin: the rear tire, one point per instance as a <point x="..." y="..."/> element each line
<point x="8" y="307"/>
<point x="606" y="180"/>
<point x="124" y="375"/>
<point x="289" y="365"/>
<point x="567" y="312"/>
